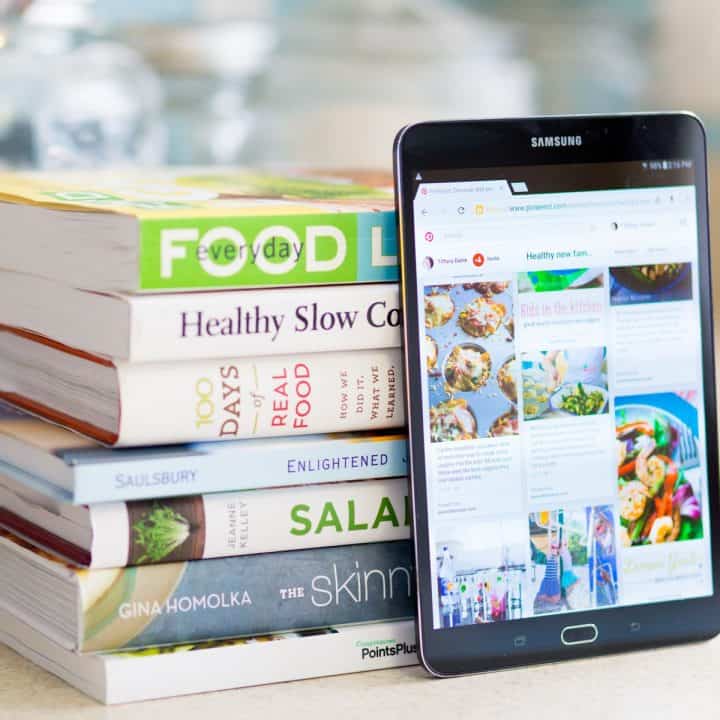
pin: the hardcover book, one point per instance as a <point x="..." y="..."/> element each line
<point x="69" y="468"/>
<point x="122" y="403"/>
<point x="199" y="527"/>
<point x="121" y="608"/>
<point x="130" y="676"/>
<point x="185" y="326"/>
<point x="195" y="229"/>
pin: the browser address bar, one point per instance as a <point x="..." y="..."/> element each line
<point x="581" y="205"/>
<point x="659" y="200"/>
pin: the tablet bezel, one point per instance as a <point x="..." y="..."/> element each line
<point x="504" y="143"/>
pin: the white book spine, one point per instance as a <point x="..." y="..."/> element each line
<point x="254" y="521"/>
<point x="236" y="398"/>
<point x="350" y="649"/>
<point x="264" y="322"/>
<point x="188" y="669"/>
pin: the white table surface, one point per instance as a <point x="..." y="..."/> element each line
<point x="682" y="681"/>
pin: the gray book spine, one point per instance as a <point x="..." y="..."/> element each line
<point x="253" y="595"/>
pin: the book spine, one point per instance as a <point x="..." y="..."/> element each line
<point x="203" y="467"/>
<point x="284" y="395"/>
<point x="258" y="251"/>
<point x="149" y="674"/>
<point x="253" y="595"/>
<point x="358" y="648"/>
<point x="264" y="322"/>
<point x="200" y="527"/>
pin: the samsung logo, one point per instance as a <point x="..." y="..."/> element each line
<point x="556" y="141"/>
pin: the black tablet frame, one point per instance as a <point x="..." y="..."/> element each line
<point x="505" y="143"/>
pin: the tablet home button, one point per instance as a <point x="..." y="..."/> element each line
<point x="579" y="634"/>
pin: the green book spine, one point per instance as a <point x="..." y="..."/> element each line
<point x="264" y="250"/>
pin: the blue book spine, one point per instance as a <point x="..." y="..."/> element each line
<point x="254" y="595"/>
<point x="106" y="475"/>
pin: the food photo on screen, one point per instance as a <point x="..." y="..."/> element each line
<point x="650" y="283"/>
<point x="564" y="383"/>
<point x="470" y="360"/>
<point x="659" y="472"/>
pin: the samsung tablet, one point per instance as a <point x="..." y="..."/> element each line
<point x="560" y="386"/>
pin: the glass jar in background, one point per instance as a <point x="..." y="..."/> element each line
<point x="209" y="69"/>
<point x="72" y="98"/>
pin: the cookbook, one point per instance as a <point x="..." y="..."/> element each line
<point x="148" y="674"/>
<point x="199" y="527"/>
<point x="62" y="465"/>
<point x="183" y="326"/>
<point x="197" y="228"/>
<point x="123" y="608"/>
<point x="130" y="404"/>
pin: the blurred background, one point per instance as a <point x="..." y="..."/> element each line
<point x="328" y="82"/>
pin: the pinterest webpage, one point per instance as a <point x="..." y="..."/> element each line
<point x="562" y="400"/>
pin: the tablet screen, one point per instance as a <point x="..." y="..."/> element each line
<point x="564" y="430"/>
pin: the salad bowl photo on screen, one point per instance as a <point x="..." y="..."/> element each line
<point x="659" y="476"/>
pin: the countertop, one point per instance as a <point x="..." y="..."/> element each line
<point x="681" y="680"/>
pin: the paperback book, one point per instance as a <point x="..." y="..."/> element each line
<point x="199" y="527"/>
<point x="131" y="676"/>
<point x="186" y="326"/>
<point x="129" y="404"/>
<point x="196" y="229"/>
<point x="121" y="608"/>
<point x="73" y="469"/>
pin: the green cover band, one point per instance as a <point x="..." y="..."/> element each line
<point x="256" y="251"/>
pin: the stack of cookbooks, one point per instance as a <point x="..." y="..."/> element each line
<point x="201" y="448"/>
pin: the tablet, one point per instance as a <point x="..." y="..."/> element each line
<point x="560" y="386"/>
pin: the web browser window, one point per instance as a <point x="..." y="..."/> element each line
<point x="562" y="399"/>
